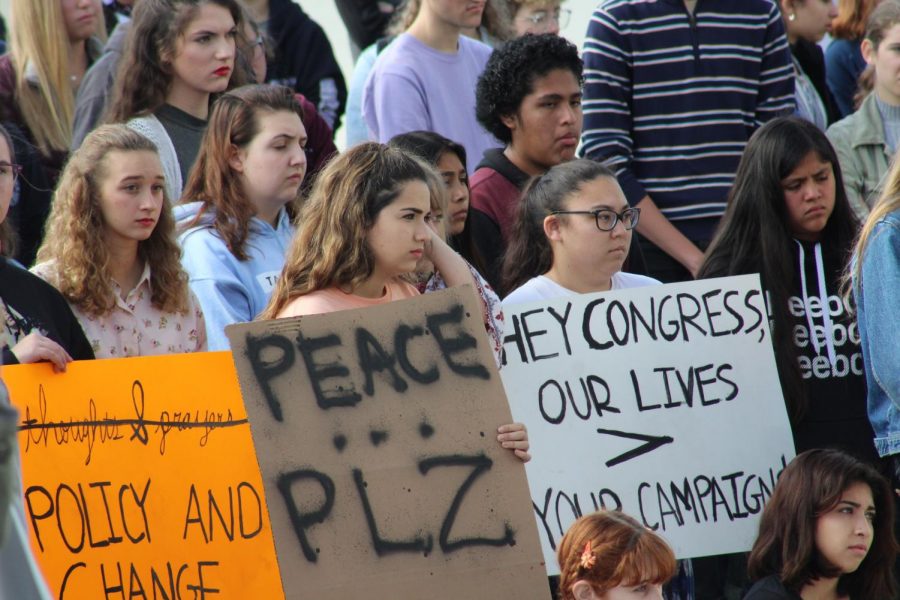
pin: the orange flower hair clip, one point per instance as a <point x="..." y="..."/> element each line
<point x="588" y="560"/>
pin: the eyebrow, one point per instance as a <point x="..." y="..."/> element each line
<point x="139" y="177"/>
<point x="418" y="211"/>
<point x="551" y="97"/>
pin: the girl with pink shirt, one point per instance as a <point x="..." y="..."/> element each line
<point x="363" y="229"/>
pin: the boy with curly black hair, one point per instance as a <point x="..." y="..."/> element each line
<point x="529" y="98"/>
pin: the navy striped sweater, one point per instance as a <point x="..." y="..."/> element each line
<point x="671" y="98"/>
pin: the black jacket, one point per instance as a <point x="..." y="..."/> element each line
<point x="304" y="60"/>
<point x="33" y="304"/>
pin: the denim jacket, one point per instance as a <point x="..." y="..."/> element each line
<point x="878" y="304"/>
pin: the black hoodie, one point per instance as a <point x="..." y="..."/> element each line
<point x="304" y="60"/>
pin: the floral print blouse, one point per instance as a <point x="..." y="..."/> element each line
<point x="137" y="328"/>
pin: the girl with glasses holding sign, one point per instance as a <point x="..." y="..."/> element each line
<point x="571" y="235"/>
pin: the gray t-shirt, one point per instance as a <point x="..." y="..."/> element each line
<point x="186" y="133"/>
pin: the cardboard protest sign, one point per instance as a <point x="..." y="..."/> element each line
<point x="376" y="436"/>
<point x="663" y="401"/>
<point x="140" y="479"/>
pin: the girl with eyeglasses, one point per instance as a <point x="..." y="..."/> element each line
<point x="571" y="235"/>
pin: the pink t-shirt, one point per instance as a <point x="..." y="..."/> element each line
<point x="332" y="300"/>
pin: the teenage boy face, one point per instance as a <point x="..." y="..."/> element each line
<point x="546" y="129"/>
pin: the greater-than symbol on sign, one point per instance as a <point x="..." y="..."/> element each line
<point x="651" y="443"/>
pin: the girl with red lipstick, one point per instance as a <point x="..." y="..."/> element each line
<point x="826" y="533"/>
<point x="571" y="235"/>
<point x="110" y="249"/>
<point x="788" y="219"/>
<point x="363" y="229"/>
<point x="180" y="54"/>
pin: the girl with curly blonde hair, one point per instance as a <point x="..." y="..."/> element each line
<point x="609" y="555"/>
<point x="110" y="249"/>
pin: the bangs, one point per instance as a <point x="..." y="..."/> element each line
<point x="648" y="560"/>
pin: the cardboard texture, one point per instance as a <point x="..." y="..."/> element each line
<point x="662" y="400"/>
<point x="140" y="479"/>
<point x="376" y="436"/>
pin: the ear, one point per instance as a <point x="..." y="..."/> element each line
<point x="510" y="121"/>
<point x="582" y="590"/>
<point x="236" y="158"/>
<point x="787" y="6"/>
<point x="552" y="228"/>
<point x="868" y="51"/>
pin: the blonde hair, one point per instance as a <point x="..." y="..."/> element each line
<point x="38" y="38"/>
<point x="329" y="248"/>
<point x="622" y="552"/>
<point x="75" y="243"/>
<point x="888" y="202"/>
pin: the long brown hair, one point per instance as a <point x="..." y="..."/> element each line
<point x="330" y="248"/>
<point x="624" y="552"/>
<point x="810" y="486"/>
<point x="8" y="238"/>
<point x="879" y="22"/>
<point x="145" y="73"/>
<point x="850" y="24"/>
<point x="234" y="123"/>
<point x="75" y="243"/>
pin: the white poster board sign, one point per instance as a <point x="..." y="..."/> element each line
<point x="663" y="401"/>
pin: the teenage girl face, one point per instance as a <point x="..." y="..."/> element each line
<point x="7" y="178"/>
<point x="80" y="17"/>
<point x="272" y="165"/>
<point x="204" y="52"/>
<point x="131" y="194"/>
<point x="577" y="242"/>
<point x="457" y="181"/>
<point x="845" y="533"/>
<point x="809" y="193"/>
<point x="397" y="238"/>
<point x="885" y="59"/>
<point x="812" y="18"/>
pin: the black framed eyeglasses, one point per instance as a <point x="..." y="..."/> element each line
<point x="10" y="171"/>
<point x="607" y="218"/>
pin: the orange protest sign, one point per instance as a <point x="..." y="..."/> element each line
<point x="141" y="480"/>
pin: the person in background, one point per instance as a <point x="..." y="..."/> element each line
<point x="116" y="12"/>
<point x="111" y="251"/>
<point x="826" y="532"/>
<point x="425" y="79"/>
<point x="609" y="555"/>
<point x="571" y="236"/>
<point x="235" y="222"/>
<point x="789" y="220"/>
<point x="674" y="130"/>
<point x="529" y="98"/>
<point x="366" y="20"/>
<point x="302" y="58"/>
<point x="806" y="22"/>
<point x="875" y="278"/>
<point x="537" y="16"/>
<point x="179" y="55"/>
<point x="37" y="324"/>
<point x="320" y="146"/>
<point x="867" y="140"/>
<point x="844" y="62"/>
<point x="95" y="90"/>
<point x="51" y="45"/>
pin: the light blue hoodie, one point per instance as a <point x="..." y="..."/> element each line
<point x="231" y="290"/>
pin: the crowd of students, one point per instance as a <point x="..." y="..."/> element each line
<point x="184" y="177"/>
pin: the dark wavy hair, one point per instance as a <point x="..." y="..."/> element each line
<point x="754" y="235"/>
<point x="145" y="72"/>
<point x="510" y="73"/>
<point x="529" y="253"/>
<point x="233" y="123"/>
<point x="430" y="147"/>
<point x="9" y="240"/>
<point x="810" y="486"/>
